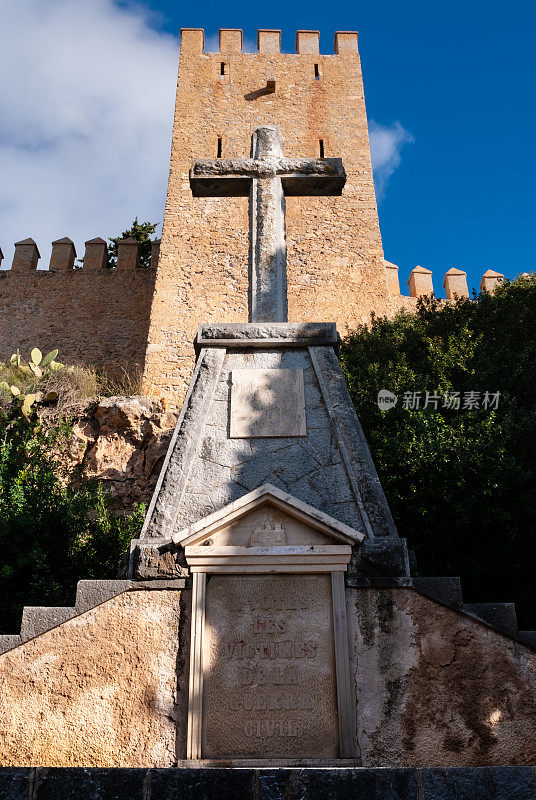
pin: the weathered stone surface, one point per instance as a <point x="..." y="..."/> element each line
<point x="240" y="334"/>
<point x="501" y="616"/>
<point x="91" y="593"/>
<point x="167" y="497"/>
<point x="99" y="690"/>
<point x="330" y="468"/>
<point x="435" y="687"/>
<point x="266" y="178"/>
<point x="381" y="557"/>
<point x="375" y="508"/>
<point x="94" y="316"/>
<point x="37" y="619"/>
<point x="267" y="403"/>
<point x="8" y="640"/>
<point x="336" y="242"/>
<point x="269" y="677"/>
<point x="155" y="558"/>
<point x="444" y="590"/>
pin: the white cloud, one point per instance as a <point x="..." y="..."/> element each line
<point x="386" y="143"/>
<point x="86" y="98"/>
<point x="86" y="101"/>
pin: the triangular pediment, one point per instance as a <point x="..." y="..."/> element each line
<point x="267" y="517"/>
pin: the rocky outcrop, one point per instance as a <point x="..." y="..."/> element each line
<point x="122" y="441"/>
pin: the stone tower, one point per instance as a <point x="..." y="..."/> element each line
<point x="335" y="258"/>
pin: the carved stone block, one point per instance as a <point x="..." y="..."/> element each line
<point x="267" y="402"/>
<point x="270" y="688"/>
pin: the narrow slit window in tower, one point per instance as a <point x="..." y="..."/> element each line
<point x="321" y="145"/>
<point x="223" y="69"/>
<point x="219" y="147"/>
<point x="317" y="73"/>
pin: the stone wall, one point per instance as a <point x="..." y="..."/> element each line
<point x="433" y="687"/>
<point x="99" y="690"/>
<point x="335" y="258"/>
<point x="92" y="316"/>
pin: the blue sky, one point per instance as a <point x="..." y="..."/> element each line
<point x="457" y="77"/>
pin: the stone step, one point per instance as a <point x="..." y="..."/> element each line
<point x="213" y="782"/>
<point x="39" y="619"/>
<point x="445" y="590"/>
<point x="8" y="641"/>
<point x="500" y="616"/>
<point x="528" y="638"/>
<point x="94" y="592"/>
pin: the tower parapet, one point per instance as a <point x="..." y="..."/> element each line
<point x="63" y="254"/>
<point x="231" y="40"/>
<point x="490" y="280"/>
<point x="269" y="41"/>
<point x="96" y="255"/>
<point x="26" y="255"/>
<point x="308" y="42"/>
<point x="91" y="313"/>
<point x="455" y="284"/>
<point x="128" y="253"/>
<point x="420" y="284"/>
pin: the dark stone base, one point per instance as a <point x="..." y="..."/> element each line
<point x="219" y="783"/>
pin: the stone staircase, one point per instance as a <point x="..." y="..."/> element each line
<point x="39" y="619"/>
<point x="501" y="617"/>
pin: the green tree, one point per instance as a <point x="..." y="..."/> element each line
<point x="461" y="483"/>
<point x="142" y="232"/>
<point x="55" y="526"/>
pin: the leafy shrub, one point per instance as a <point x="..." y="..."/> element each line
<point x="142" y="232"/>
<point x="460" y="483"/>
<point x="55" y="526"/>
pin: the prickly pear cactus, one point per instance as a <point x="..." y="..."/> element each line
<point x="39" y="367"/>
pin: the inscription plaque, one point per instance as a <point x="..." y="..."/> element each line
<point x="267" y="402"/>
<point x="269" y="668"/>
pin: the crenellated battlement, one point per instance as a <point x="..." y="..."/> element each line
<point x="231" y="40"/>
<point x="420" y="283"/>
<point x="99" y="315"/>
<point x="63" y="256"/>
<point x="92" y="313"/>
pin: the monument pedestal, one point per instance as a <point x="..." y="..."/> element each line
<point x="269" y="658"/>
<point x="268" y="412"/>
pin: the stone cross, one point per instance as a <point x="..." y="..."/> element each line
<point x="267" y="177"/>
